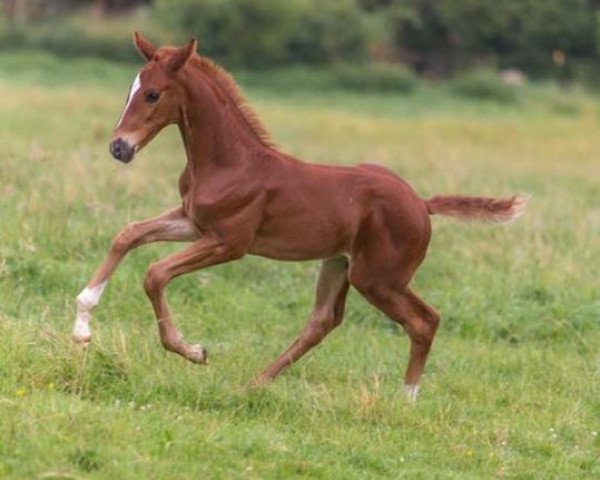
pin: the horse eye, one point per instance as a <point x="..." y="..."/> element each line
<point x="152" y="96"/>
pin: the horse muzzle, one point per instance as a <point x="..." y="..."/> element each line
<point x="122" y="150"/>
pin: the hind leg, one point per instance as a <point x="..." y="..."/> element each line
<point x="328" y="313"/>
<point x="420" y="322"/>
<point x="403" y="306"/>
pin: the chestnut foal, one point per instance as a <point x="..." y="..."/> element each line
<point x="240" y="195"/>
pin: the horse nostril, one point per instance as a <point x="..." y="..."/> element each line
<point x="115" y="149"/>
<point x="121" y="150"/>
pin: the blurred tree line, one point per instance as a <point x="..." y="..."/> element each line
<point x="434" y="37"/>
<point x="23" y="11"/>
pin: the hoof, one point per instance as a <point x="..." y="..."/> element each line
<point x="83" y="346"/>
<point x="82" y="335"/>
<point x="197" y="354"/>
<point x="259" y="381"/>
<point x="81" y="339"/>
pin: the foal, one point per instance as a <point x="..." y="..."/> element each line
<point x="241" y="195"/>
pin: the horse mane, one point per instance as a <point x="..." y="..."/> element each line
<point x="228" y="87"/>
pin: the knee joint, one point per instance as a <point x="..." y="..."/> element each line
<point x="155" y="279"/>
<point x="124" y="240"/>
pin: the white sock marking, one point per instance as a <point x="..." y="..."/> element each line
<point x="411" y="391"/>
<point x="135" y="86"/>
<point x="86" y="301"/>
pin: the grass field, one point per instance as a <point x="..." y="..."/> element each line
<point x="512" y="387"/>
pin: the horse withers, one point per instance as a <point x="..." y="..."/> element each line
<point x="241" y="195"/>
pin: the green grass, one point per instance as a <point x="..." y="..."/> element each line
<point x="512" y="387"/>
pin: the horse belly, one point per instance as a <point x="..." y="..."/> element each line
<point x="305" y="240"/>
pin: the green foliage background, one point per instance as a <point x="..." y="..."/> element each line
<point x="433" y="37"/>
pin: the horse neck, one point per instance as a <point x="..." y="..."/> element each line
<point x="213" y="133"/>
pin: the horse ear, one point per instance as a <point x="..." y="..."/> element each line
<point x="143" y="46"/>
<point x="181" y="56"/>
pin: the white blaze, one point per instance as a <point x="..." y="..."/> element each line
<point x="135" y="86"/>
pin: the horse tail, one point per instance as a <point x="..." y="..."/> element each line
<point x="483" y="209"/>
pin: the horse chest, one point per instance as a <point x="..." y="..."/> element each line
<point x="203" y="208"/>
<point x="207" y="207"/>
